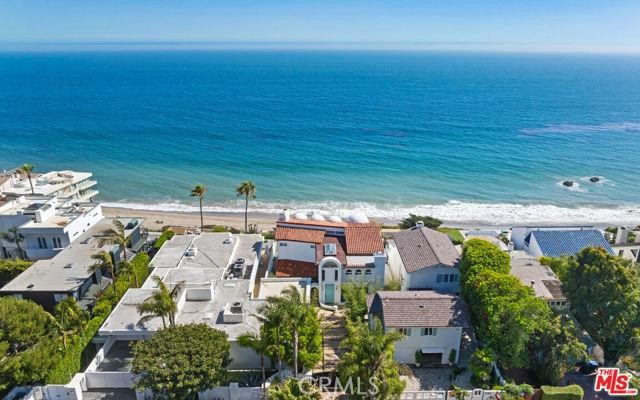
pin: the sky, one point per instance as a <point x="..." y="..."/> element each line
<point x="572" y="25"/>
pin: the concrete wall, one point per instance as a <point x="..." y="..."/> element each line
<point x="296" y="251"/>
<point x="446" y="338"/>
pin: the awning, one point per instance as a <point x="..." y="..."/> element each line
<point x="432" y="350"/>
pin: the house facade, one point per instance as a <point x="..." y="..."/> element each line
<point x="45" y="224"/>
<point x="329" y="251"/>
<point x="562" y="242"/>
<point x="424" y="259"/>
<point x="69" y="186"/>
<point x="431" y="322"/>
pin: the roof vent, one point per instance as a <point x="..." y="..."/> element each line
<point x="30" y="286"/>
<point x="68" y="266"/>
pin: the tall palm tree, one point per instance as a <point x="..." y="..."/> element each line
<point x="13" y="235"/>
<point x="162" y="303"/>
<point x="104" y="261"/>
<point x="261" y="347"/>
<point x="289" y="308"/>
<point x="117" y="236"/>
<point x="248" y="190"/>
<point x="199" y="191"/>
<point x="27" y="169"/>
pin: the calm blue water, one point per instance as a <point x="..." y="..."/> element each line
<point x="379" y="132"/>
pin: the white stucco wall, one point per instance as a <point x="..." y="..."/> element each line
<point x="446" y="338"/>
<point x="427" y="279"/>
<point x="299" y="251"/>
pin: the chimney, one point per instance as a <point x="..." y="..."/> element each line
<point x="533" y="283"/>
<point x="419" y="224"/>
<point x="285" y="215"/>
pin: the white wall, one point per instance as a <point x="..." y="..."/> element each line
<point x="427" y="279"/>
<point x="447" y="338"/>
<point x="296" y="251"/>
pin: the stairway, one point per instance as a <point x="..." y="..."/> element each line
<point x="334" y="331"/>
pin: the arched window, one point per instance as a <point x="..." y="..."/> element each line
<point x="358" y="272"/>
<point x="367" y="272"/>
<point x="348" y="272"/>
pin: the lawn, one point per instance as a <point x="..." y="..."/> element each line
<point x="454" y="234"/>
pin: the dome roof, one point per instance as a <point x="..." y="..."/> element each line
<point x="358" y="218"/>
<point x="317" y="217"/>
<point x="300" y="215"/>
<point x="335" y="218"/>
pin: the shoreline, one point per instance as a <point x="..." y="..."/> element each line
<point x="156" y="219"/>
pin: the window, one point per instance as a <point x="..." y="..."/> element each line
<point x="57" y="243"/>
<point x="405" y="331"/>
<point x="330" y="249"/>
<point x="283" y="244"/>
<point x="447" y="278"/>
<point x="358" y="272"/>
<point x="42" y="243"/>
<point x="348" y="272"/>
<point x="335" y="275"/>
<point x="429" y="331"/>
<point x="367" y="272"/>
<point x="323" y="277"/>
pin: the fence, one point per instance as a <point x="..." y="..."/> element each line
<point x="476" y="394"/>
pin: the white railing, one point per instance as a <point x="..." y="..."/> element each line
<point x="476" y="394"/>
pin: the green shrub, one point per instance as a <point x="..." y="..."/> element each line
<point x="480" y="366"/>
<point x="572" y="392"/>
<point x="454" y="234"/>
<point x="411" y="221"/>
<point x="479" y="255"/>
<point x="166" y="235"/>
<point x="9" y="269"/>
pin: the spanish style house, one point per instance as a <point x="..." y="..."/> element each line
<point x="431" y="322"/>
<point x="425" y="259"/>
<point x="329" y="251"/>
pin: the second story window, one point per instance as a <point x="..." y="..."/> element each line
<point x="429" y="331"/>
<point x="42" y="243"/>
<point x="57" y="243"/>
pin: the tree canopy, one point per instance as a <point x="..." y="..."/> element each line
<point x="604" y="292"/>
<point x="28" y="342"/>
<point x="412" y="219"/>
<point x="368" y="364"/>
<point x="479" y="255"/>
<point x="292" y="389"/>
<point x="9" y="269"/>
<point x="182" y="360"/>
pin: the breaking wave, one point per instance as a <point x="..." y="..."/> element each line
<point x="452" y="211"/>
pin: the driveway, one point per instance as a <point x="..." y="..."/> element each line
<point x="586" y="382"/>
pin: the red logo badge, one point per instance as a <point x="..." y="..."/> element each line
<point x="614" y="382"/>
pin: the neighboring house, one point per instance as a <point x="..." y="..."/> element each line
<point x="630" y="252"/>
<point x="45" y="223"/>
<point x="425" y="259"/>
<point x="540" y="278"/>
<point x="432" y="323"/>
<point x="519" y="233"/>
<point x="69" y="273"/>
<point x="69" y="186"/>
<point x="201" y="265"/>
<point x="329" y="252"/>
<point x="556" y="243"/>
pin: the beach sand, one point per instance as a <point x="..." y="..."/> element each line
<point x="155" y="220"/>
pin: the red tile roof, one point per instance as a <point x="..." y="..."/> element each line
<point x="299" y="234"/>
<point x="363" y="239"/>
<point x="298" y="269"/>
<point x="311" y="222"/>
<point x="340" y="254"/>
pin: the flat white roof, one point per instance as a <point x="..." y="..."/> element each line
<point x="45" y="183"/>
<point x="529" y="270"/>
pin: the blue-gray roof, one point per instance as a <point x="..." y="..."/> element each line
<point x="568" y="242"/>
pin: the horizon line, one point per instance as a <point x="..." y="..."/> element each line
<point x="112" y="45"/>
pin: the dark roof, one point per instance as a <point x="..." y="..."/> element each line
<point x="422" y="248"/>
<point x="425" y="308"/>
<point x="568" y="242"/>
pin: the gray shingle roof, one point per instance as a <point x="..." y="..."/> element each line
<point x="568" y="242"/>
<point x="422" y="248"/>
<point x="425" y="308"/>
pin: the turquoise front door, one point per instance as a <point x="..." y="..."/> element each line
<point x="329" y="293"/>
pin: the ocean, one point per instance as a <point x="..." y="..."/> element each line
<point x="461" y="136"/>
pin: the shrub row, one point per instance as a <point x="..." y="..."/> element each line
<point x="571" y="392"/>
<point x="166" y="235"/>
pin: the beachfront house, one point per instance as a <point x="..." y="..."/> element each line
<point x="68" y="186"/>
<point x="424" y="259"/>
<point x="557" y="241"/>
<point x="329" y="251"/>
<point x="540" y="278"/>
<point x="45" y="225"/>
<point x="432" y="324"/>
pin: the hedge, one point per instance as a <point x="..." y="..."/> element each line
<point x="454" y="234"/>
<point x="9" y="269"/>
<point x="166" y="235"/>
<point x="571" y="392"/>
<point x="78" y="351"/>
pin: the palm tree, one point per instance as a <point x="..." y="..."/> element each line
<point x="128" y="269"/>
<point x="248" y="190"/>
<point x="199" y="191"/>
<point x="161" y="304"/>
<point x="13" y="235"/>
<point x="117" y="236"/>
<point x="27" y="169"/>
<point x="103" y="260"/>
<point x="290" y="308"/>
<point x="261" y="347"/>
